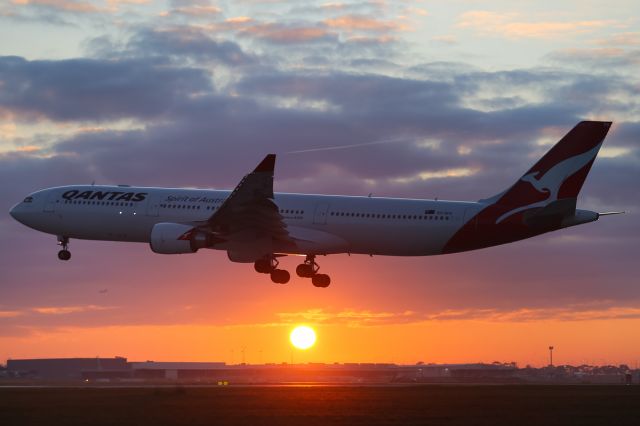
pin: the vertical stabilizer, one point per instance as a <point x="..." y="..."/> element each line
<point x="542" y="200"/>
<point x="560" y="174"/>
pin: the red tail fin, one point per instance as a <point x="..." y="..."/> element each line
<point x="561" y="172"/>
<point x="541" y="199"/>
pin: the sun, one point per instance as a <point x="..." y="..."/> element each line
<point x="302" y="337"/>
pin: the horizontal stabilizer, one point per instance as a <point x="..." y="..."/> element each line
<point x="551" y="214"/>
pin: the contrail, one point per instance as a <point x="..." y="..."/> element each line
<point x="354" y="145"/>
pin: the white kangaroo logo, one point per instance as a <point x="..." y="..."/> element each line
<point x="551" y="181"/>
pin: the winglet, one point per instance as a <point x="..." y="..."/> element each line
<point x="267" y="165"/>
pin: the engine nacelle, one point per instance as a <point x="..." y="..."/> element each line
<point x="177" y="238"/>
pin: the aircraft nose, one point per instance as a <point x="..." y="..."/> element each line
<point x="14" y="213"/>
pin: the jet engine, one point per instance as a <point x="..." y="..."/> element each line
<point x="176" y="238"/>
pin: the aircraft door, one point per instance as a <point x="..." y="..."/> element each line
<point x="153" y="205"/>
<point x="320" y="215"/>
<point x="50" y="203"/>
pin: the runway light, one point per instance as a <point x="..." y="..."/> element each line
<point x="302" y="337"/>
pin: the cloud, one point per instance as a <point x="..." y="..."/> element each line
<point x="366" y="318"/>
<point x="9" y="314"/>
<point x="183" y="42"/>
<point x="605" y="58"/>
<point x="351" y="317"/>
<point x="363" y="23"/>
<point x="94" y="89"/>
<point x="194" y="11"/>
<point x="445" y="39"/>
<point x="621" y="39"/>
<point x="64" y="310"/>
<point x="509" y="25"/>
<point x="287" y="34"/>
<point x="62" y="5"/>
<point x="365" y="124"/>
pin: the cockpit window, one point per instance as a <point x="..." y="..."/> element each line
<point x="28" y="200"/>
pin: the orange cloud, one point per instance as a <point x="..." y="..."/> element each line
<point x="351" y="317"/>
<point x="238" y="20"/>
<point x="354" y="317"/>
<point x="28" y="148"/>
<point x="382" y="39"/>
<point x="603" y="52"/>
<point x="63" y="310"/>
<point x="194" y="11"/>
<point x="281" y="34"/>
<point x="363" y="23"/>
<point x="622" y="39"/>
<point x="508" y="25"/>
<point x="333" y="6"/>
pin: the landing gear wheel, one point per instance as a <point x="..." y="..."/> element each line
<point x="321" y="280"/>
<point x="309" y="268"/>
<point x="269" y="265"/>
<point x="280" y="276"/>
<point x="64" y="255"/>
<point x="263" y="266"/>
<point x="304" y="270"/>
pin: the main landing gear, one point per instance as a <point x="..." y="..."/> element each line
<point x="64" y="254"/>
<point x="269" y="265"/>
<point x="309" y="269"/>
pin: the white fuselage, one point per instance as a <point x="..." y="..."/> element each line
<point x="323" y="224"/>
<point x="255" y="225"/>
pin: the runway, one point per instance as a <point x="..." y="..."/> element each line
<point x="322" y="405"/>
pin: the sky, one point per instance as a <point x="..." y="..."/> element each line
<point x="421" y="99"/>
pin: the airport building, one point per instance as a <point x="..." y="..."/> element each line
<point x="118" y="369"/>
<point x="63" y="368"/>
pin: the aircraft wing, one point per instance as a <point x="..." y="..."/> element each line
<point x="249" y="212"/>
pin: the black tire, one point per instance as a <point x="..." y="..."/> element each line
<point x="262" y="266"/>
<point x="284" y="276"/>
<point x="321" y="280"/>
<point x="64" y="255"/>
<point x="280" y="276"/>
<point x="304" y="270"/>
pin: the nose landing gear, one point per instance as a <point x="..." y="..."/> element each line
<point x="309" y="269"/>
<point x="64" y="254"/>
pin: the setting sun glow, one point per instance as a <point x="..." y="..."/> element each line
<point x="302" y="337"/>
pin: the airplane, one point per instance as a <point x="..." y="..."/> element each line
<point x="255" y="225"/>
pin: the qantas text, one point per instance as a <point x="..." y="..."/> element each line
<point x="104" y="195"/>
